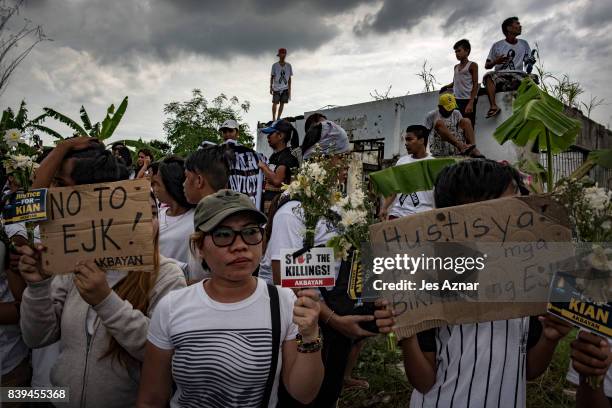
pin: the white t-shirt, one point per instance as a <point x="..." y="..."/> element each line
<point x="43" y="358"/>
<point x="174" y="233"/>
<point x="574" y="377"/>
<point x="437" y="146"/>
<point x="222" y="351"/>
<point x="288" y="233"/>
<point x="12" y="348"/>
<point x="407" y="204"/>
<point x="281" y="74"/>
<point x="517" y="53"/>
<point x="478" y="365"/>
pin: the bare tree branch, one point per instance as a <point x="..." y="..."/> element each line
<point x="10" y="40"/>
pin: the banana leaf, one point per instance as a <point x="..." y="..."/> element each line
<point x="110" y="123"/>
<point x="534" y="114"/>
<point x="411" y="177"/>
<point x="48" y="131"/>
<point x="601" y="158"/>
<point x="85" y="119"/>
<point x="22" y="116"/>
<point x="66" y="120"/>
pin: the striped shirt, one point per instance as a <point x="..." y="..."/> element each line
<point x="222" y="351"/>
<point x="480" y="364"/>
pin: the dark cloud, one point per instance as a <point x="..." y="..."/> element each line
<point x="112" y="29"/>
<point x="405" y="15"/>
<point x="597" y="14"/>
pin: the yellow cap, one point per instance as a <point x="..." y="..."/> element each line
<point x="448" y="101"/>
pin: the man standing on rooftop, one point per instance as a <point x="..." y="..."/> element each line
<point x="280" y="83"/>
<point x="507" y="57"/>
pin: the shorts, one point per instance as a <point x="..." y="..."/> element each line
<point x="462" y="103"/>
<point x="508" y="80"/>
<point x="280" y="96"/>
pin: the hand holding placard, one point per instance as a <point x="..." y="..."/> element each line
<point x="109" y="224"/>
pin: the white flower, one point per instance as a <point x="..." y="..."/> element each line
<point x="13" y="137"/>
<point x="600" y="258"/>
<point x="293" y="188"/>
<point x="316" y="172"/>
<point x="597" y="198"/>
<point x="352" y="217"/>
<point x="20" y="162"/>
<point x="357" y="198"/>
<point x="343" y="202"/>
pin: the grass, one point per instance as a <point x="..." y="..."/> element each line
<point x="389" y="387"/>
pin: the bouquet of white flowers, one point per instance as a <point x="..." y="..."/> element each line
<point x="589" y="208"/>
<point x="316" y="187"/>
<point x="354" y="214"/>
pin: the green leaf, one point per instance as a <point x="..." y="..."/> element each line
<point x="85" y="119"/>
<point x="411" y="177"/>
<point x="109" y="124"/>
<point x="66" y="120"/>
<point x="22" y="116"/>
<point x="602" y="158"/>
<point x="48" y="131"/>
<point x="534" y="111"/>
<point x="37" y="120"/>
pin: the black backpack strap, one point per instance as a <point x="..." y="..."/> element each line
<point x="275" y="313"/>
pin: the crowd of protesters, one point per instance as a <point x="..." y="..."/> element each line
<point x="208" y="325"/>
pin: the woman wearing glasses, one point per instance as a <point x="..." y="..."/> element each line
<point x="229" y="340"/>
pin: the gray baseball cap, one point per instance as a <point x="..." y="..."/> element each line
<point x="213" y="209"/>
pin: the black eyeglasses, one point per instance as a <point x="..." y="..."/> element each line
<point x="225" y="236"/>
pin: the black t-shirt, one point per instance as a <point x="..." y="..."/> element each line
<point x="282" y="158"/>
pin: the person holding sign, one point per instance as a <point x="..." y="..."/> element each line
<point x="99" y="317"/>
<point x="340" y="328"/>
<point x="479" y="364"/>
<point x="231" y="339"/>
<point x="591" y="357"/>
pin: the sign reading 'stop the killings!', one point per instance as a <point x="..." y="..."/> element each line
<point x="26" y="206"/>
<point x="314" y="268"/>
<point x="108" y="223"/>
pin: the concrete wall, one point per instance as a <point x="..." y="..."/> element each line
<point x="387" y="119"/>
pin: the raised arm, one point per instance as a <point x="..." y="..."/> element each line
<point x="43" y="300"/>
<point x="52" y="163"/>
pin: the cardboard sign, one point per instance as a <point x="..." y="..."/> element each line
<point x="570" y="303"/>
<point x="504" y="222"/>
<point x="312" y="269"/>
<point x="30" y="206"/>
<point x="109" y="223"/>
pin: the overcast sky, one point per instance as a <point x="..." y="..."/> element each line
<point x="157" y="51"/>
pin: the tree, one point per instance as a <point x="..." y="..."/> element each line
<point x="100" y="130"/>
<point x="12" y="49"/>
<point x="428" y="78"/>
<point x="191" y="122"/>
<point x="164" y="148"/>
